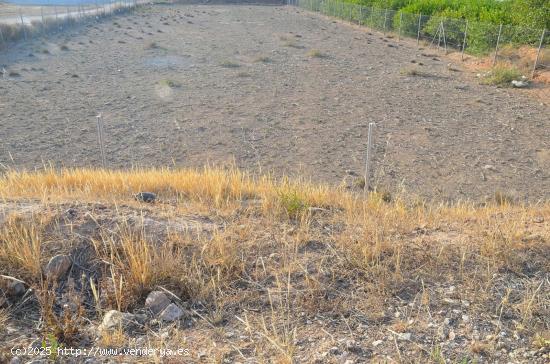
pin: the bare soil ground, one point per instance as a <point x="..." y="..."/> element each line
<point x="272" y="88"/>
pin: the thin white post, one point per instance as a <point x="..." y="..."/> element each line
<point x="464" y="42"/>
<point x="498" y="42"/>
<point x="418" y="34"/>
<point x="444" y="38"/>
<point x="369" y="152"/>
<point x="400" y="24"/>
<point x="100" y="139"/>
<point x="538" y="53"/>
<point x="385" y="20"/>
<point x="23" y="24"/>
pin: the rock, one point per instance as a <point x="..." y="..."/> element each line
<point x="114" y="320"/>
<point x="15" y="360"/>
<point x="171" y="313"/>
<point x="12" y="286"/>
<point x="148" y="197"/>
<point x="405" y="336"/>
<point x="156" y="302"/>
<point x="57" y="266"/>
<point x="352" y="347"/>
<point x="334" y="351"/>
<point x="520" y="84"/>
<point x="377" y="342"/>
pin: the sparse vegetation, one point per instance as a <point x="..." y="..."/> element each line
<point x="501" y="76"/>
<point x="169" y="83"/>
<point x="230" y="64"/>
<point x="267" y="268"/>
<point x="413" y="71"/>
<point x="299" y="248"/>
<point x="262" y="59"/>
<point x="151" y="45"/>
<point x="315" y="53"/>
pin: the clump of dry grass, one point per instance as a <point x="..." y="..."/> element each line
<point x="169" y="83"/>
<point x="216" y="186"/>
<point x="315" y="53"/>
<point x="4" y="316"/>
<point x="413" y="71"/>
<point x="21" y="243"/>
<point x="262" y="59"/>
<point x="230" y="64"/>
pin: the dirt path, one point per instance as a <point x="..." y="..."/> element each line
<point x="187" y="85"/>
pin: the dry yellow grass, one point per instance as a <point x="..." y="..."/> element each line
<point x="290" y="245"/>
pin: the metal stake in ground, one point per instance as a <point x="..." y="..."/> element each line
<point x="369" y="152"/>
<point x="100" y="139"/>
<point x="538" y="53"/>
<point x="400" y="24"/>
<point x="418" y="34"/>
<point x="464" y="42"/>
<point x="443" y="31"/>
<point x="385" y="20"/>
<point x="498" y="42"/>
<point x="23" y="24"/>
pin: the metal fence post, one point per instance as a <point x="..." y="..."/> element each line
<point x="400" y="24"/>
<point x="538" y="53"/>
<point x="367" y="162"/>
<point x="418" y="35"/>
<point x="23" y="24"/>
<point x="100" y="139"/>
<point x="2" y="37"/>
<point x="43" y="22"/>
<point x="444" y="37"/>
<point x="498" y="42"/>
<point x="464" y="42"/>
<point x="385" y="20"/>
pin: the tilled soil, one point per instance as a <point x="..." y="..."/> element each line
<point x="272" y="89"/>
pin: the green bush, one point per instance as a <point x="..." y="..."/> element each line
<point x="502" y="76"/>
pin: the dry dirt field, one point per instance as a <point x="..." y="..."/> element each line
<point x="270" y="88"/>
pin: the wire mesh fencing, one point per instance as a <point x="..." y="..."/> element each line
<point x="521" y="47"/>
<point x="27" y="22"/>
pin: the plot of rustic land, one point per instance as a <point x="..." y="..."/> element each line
<point x="267" y="87"/>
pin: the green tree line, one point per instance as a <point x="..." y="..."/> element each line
<point x="524" y="13"/>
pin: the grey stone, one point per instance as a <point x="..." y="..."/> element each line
<point x="156" y="301"/>
<point x="148" y="197"/>
<point x="12" y="286"/>
<point x="520" y="84"/>
<point x="57" y="266"/>
<point x="114" y="320"/>
<point x="171" y="313"/>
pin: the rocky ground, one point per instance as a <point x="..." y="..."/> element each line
<point x="239" y="284"/>
<point x="273" y="89"/>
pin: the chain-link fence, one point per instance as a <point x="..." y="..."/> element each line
<point x="26" y="22"/>
<point x="524" y="48"/>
